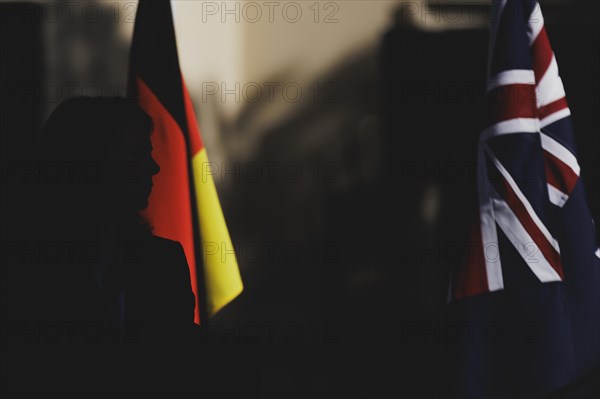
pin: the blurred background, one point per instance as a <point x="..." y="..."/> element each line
<point x="343" y="136"/>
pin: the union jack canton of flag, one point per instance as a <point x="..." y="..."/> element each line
<point x="536" y="263"/>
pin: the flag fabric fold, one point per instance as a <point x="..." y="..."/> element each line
<point x="529" y="293"/>
<point x="184" y="205"/>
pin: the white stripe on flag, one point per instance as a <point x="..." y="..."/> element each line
<point x="489" y="235"/>
<point x="556" y="116"/>
<point x="510" y="77"/>
<point x="557" y="197"/>
<point x="523" y="243"/>
<point x="561" y="152"/>
<point x="511" y="126"/>
<point x="550" y="87"/>
<point x="491" y="250"/>
<point x="521" y="197"/>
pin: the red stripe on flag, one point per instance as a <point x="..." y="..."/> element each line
<point x="513" y="101"/>
<point x="553" y="107"/>
<point x="559" y="174"/>
<point x="542" y="54"/>
<point x="196" y="143"/>
<point x="551" y="255"/>
<point x="169" y="206"/>
<point x="471" y="278"/>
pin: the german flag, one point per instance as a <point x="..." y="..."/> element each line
<point x="184" y="205"/>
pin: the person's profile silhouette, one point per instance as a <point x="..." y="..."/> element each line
<point x="111" y="272"/>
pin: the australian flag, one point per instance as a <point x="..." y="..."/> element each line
<point x="527" y="297"/>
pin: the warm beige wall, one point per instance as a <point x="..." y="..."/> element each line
<point x="242" y="47"/>
<point x="318" y="40"/>
<point x="215" y="47"/>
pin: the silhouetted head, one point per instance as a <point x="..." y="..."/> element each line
<point x="97" y="164"/>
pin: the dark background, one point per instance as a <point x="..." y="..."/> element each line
<point x="347" y="293"/>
